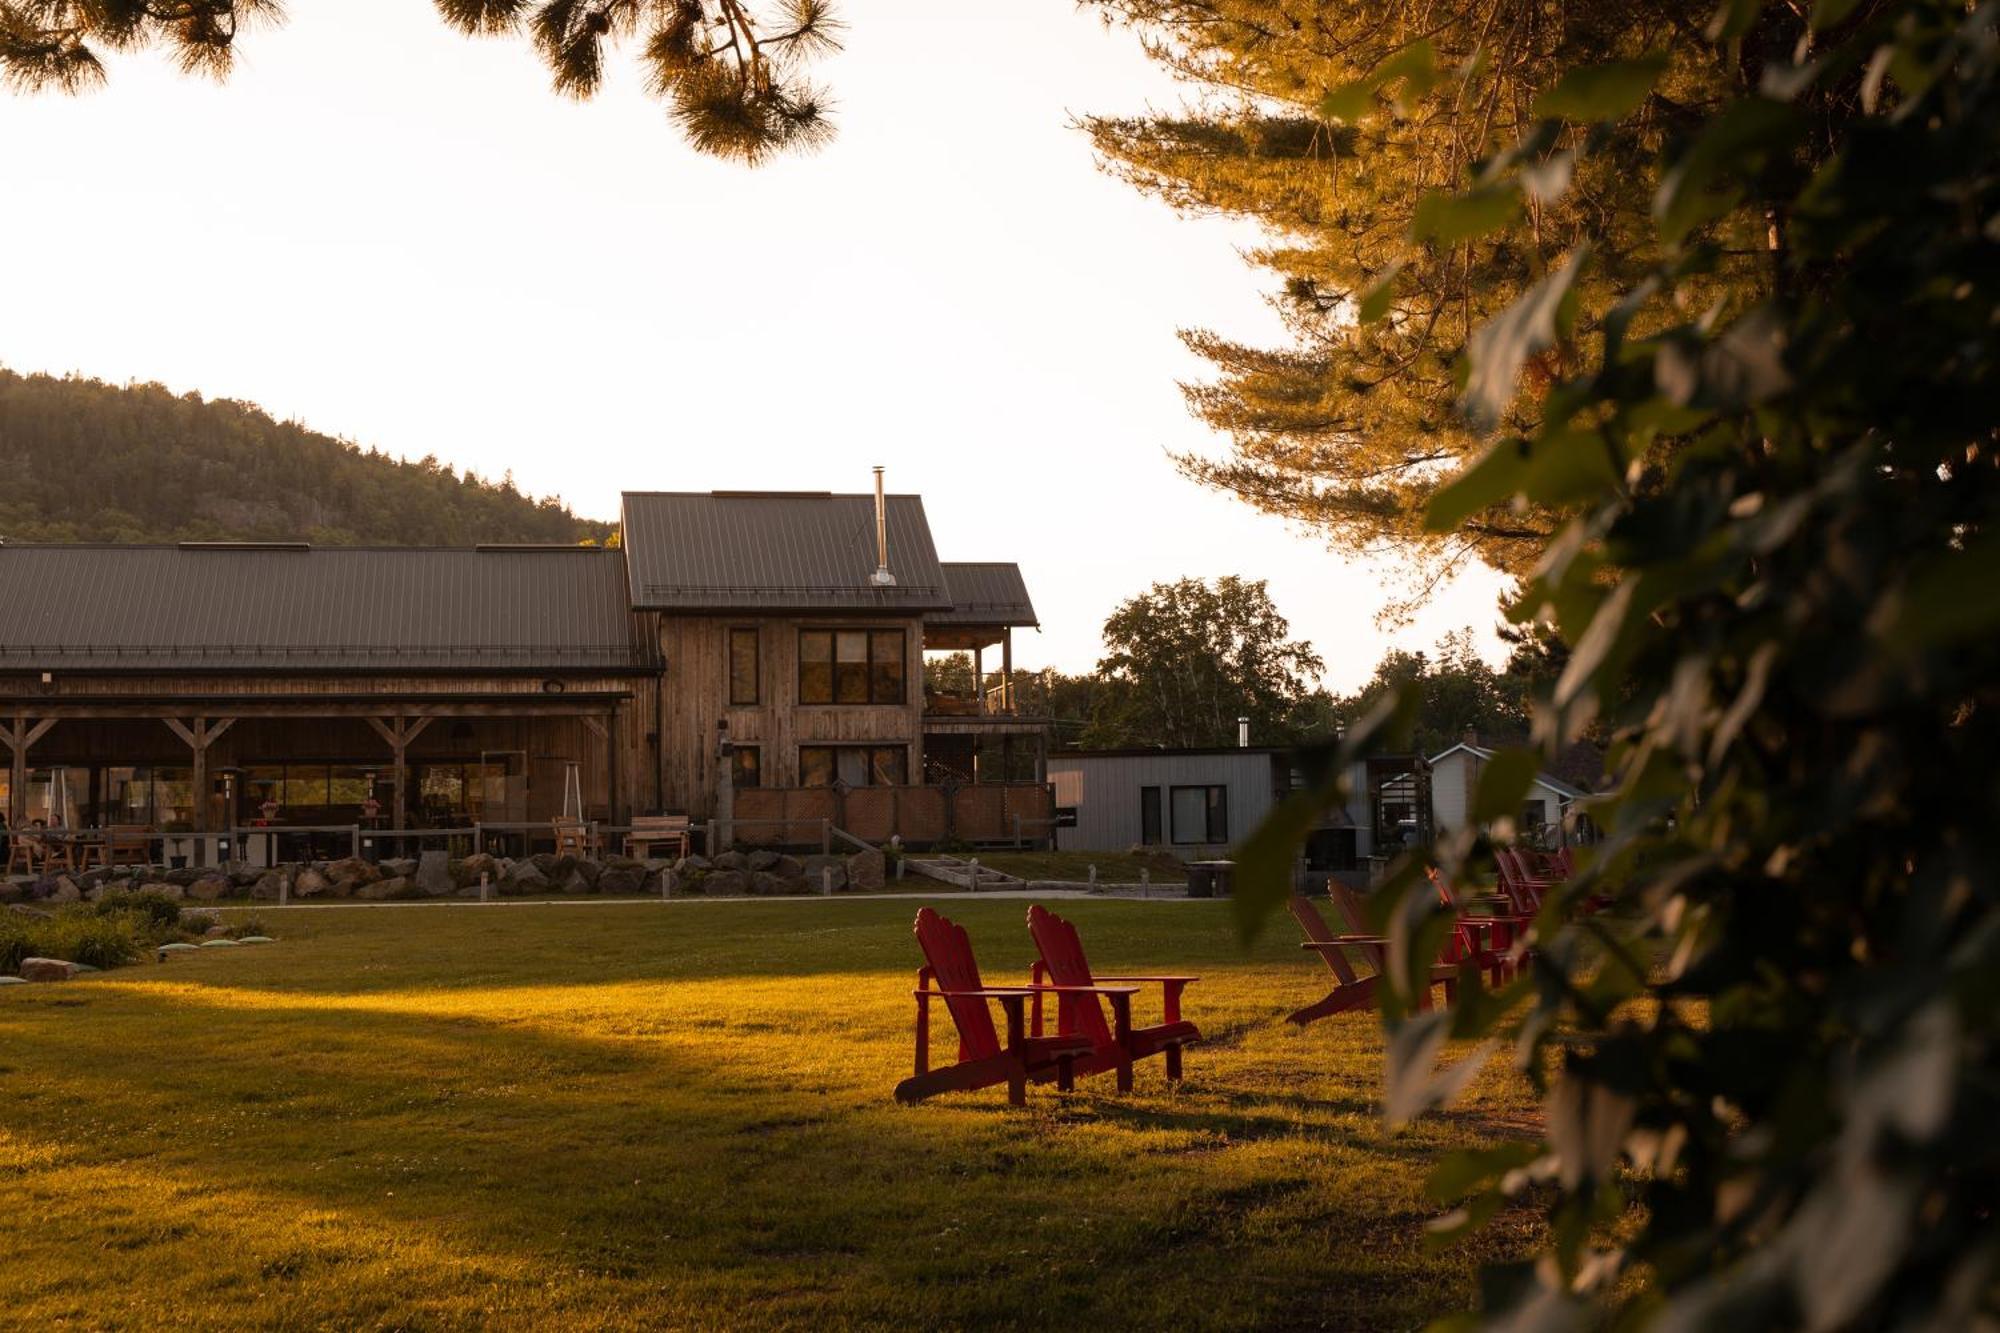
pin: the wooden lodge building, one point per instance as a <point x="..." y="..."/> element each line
<point x="750" y="657"/>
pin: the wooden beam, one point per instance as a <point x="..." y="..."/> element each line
<point x="214" y="730"/>
<point x="39" y="730"/>
<point x="596" y="725"/>
<point x="393" y="738"/>
<point x="180" y="729"/>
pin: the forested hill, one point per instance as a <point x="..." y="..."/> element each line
<point x="81" y="460"/>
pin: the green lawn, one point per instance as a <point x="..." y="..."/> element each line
<point x="606" y="1115"/>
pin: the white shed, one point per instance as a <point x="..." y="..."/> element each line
<point x="1455" y="777"/>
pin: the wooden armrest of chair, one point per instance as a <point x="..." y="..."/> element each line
<point x="1183" y="980"/>
<point x="1343" y="939"/>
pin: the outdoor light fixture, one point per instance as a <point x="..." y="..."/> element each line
<point x="552" y="687"/>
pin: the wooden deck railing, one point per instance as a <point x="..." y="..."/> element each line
<point x="980" y="813"/>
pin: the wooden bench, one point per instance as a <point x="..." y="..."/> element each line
<point x="650" y="829"/>
<point x="128" y="845"/>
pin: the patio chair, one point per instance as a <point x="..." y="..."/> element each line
<point x="1080" y="1009"/>
<point x="1353" y="989"/>
<point x="983" y="1061"/>
<point x="672" y="830"/>
<point x="574" y="837"/>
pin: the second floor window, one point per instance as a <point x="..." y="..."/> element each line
<point x="743" y="666"/>
<point x="851" y="666"/>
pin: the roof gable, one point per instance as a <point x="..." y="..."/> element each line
<point x="985" y="592"/>
<point x="776" y="551"/>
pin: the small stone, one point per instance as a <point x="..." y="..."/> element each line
<point x="256" y="939"/>
<point x="177" y="946"/>
<point x="12" y="981"/>
<point x="218" y="944"/>
<point x="47" y="969"/>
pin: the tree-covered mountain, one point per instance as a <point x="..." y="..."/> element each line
<point x="88" y="461"/>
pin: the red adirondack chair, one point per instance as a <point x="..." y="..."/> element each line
<point x="1079" y="1011"/>
<point x="1491" y="937"/>
<point x="1352" y="989"/>
<point x="982" y="1060"/>
<point x="1524" y="889"/>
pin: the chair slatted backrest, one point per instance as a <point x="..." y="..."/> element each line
<point x="1314" y="925"/>
<point x="1354" y="912"/>
<point x="1062" y="953"/>
<point x="948" y="952"/>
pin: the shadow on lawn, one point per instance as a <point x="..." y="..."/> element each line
<point x="638" y="1161"/>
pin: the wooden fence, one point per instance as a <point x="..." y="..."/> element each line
<point x="977" y="813"/>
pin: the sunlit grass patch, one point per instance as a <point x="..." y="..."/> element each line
<point x="680" y="1114"/>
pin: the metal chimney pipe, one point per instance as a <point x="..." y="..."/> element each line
<point x="1243" y="733"/>
<point x="881" y="578"/>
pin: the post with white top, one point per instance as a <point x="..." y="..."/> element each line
<point x="485" y="886"/>
<point x="974" y="883"/>
<point x="826" y="881"/>
<point x="1145" y="882"/>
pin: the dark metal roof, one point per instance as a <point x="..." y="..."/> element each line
<point x="988" y="592"/>
<point x="777" y="551"/>
<point x="259" y="607"/>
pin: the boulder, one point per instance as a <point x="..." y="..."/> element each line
<point x="867" y="871"/>
<point x="466" y="873"/>
<point x="216" y="931"/>
<point x="766" y="884"/>
<point x="399" y="865"/>
<point x="524" y="876"/>
<point x="576" y="883"/>
<point x="66" y="891"/>
<point x="268" y="884"/>
<point x="349" y="873"/>
<point x="726" y="883"/>
<point x="623" y="878"/>
<point x="732" y="861"/>
<point x="434" y="873"/>
<point x="694" y="865"/>
<point x="244" y="877"/>
<point x="47" y="969"/>
<point x="588" y="871"/>
<point x="763" y="860"/>
<point x="666" y="883"/>
<point x="164" y="888"/>
<point x="183" y="877"/>
<point x="788" y="866"/>
<point x="210" y="887"/>
<point x="395" y="886"/>
<point x="13" y="890"/>
<point x="311" y="883"/>
<point x="814" y="868"/>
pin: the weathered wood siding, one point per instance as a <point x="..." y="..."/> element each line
<point x="696" y="652"/>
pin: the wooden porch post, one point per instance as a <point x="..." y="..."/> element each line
<point x="1007" y="670"/>
<point x="606" y="730"/>
<point x="18" y="737"/>
<point x="399" y="732"/>
<point x="198" y="734"/>
<point x="978" y="679"/>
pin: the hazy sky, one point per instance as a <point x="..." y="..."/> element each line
<point x="397" y="235"/>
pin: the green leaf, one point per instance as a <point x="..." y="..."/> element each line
<point x="1415" y="66"/>
<point x="1381" y="293"/>
<point x="1698" y="186"/>
<point x="1503" y="782"/>
<point x="1504" y="343"/>
<point x="1463" y="1172"/>
<point x="1494" y="477"/>
<point x="1448" y="217"/>
<point x="1265" y="859"/>
<point x="1827" y="13"/>
<point x="1348" y="103"/>
<point x="1732" y="19"/>
<point x="1611" y="91"/>
<point x="1568" y="465"/>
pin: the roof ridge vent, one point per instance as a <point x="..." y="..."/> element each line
<point x="244" y="546"/>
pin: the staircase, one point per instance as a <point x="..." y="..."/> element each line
<point x="961" y="874"/>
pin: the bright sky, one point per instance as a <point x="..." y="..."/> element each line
<point x="397" y="235"/>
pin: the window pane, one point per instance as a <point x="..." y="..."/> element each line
<point x="815" y="766"/>
<point x="1218" y="815"/>
<point x="128" y="796"/>
<point x="1190" y="814"/>
<point x="890" y="765"/>
<point x="173" y="796"/>
<point x="885" y="682"/>
<point x="748" y="769"/>
<point x="853" y="765"/>
<point x="259" y="786"/>
<point x="853" y="645"/>
<point x="850" y="672"/>
<point x="815" y="667"/>
<point x="1149" y="815"/>
<point x="743" y="666"/>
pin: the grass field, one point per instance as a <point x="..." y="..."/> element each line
<point x="607" y="1115"/>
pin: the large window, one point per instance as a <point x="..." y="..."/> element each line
<point x="1151" y="830"/>
<point x="851" y="666"/>
<point x="746" y="766"/>
<point x="854" y="765"/>
<point x="1201" y="815"/>
<point x="743" y="666"/>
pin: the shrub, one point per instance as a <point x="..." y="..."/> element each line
<point x="79" y="933"/>
<point x="161" y="912"/>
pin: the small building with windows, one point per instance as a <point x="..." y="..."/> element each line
<point x="1195" y="803"/>
<point x="1454" y="777"/>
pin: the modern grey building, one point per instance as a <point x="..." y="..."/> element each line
<point x="1195" y="803"/>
